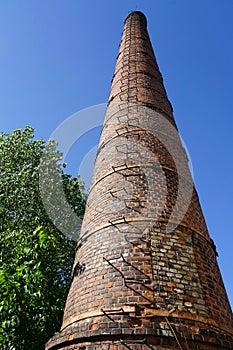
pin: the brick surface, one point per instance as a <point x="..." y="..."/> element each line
<point x="142" y="286"/>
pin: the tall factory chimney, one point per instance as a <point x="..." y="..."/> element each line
<point x="145" y="274"/>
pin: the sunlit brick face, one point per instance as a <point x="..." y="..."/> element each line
<point x="137" y="284"/>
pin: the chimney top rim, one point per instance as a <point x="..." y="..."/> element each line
<point x="137" y="13"/>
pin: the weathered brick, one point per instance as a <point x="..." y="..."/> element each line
<point x="143" y="287"/>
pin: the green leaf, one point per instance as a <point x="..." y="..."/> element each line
<point x="36" y="259"/>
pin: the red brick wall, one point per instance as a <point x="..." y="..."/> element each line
<point x="137" y="285"/>
<point x="137" y="78"/>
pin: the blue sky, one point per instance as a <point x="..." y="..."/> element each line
<point x="57" y="57"/>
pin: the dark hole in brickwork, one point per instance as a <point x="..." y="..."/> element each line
<point x="79" y="269"/>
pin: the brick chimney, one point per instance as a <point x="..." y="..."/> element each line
<point x="145" y="274"/>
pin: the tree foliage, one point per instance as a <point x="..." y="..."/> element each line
<point x="36" y="258"/>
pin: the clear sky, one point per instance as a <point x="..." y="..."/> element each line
<point x="57" y="57"/>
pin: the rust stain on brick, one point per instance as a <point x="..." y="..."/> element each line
<point x="171" y="284"/>
<point x="194" y="330"/>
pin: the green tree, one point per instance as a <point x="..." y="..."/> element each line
<point x="36" y="258"/>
